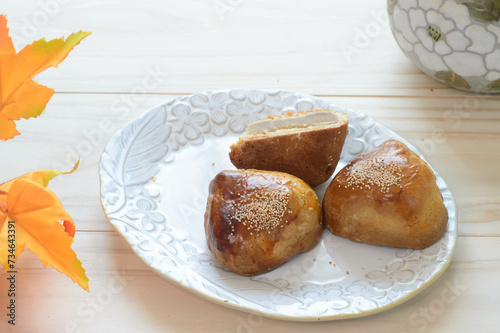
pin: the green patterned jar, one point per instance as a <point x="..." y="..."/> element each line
<point x="454" y="41"/>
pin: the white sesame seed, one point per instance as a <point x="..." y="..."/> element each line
<point x="367" y="172"/>
<point x="261" y="211"/>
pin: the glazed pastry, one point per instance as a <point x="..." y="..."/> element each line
<point x="304" y="144"/>
<point x="387" y="196"/>
<point x="257" y="220"/>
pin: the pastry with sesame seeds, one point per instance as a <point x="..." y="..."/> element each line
<point x="387" y="196"/>
<point x="257" y="220"/>
<point x="305" y="144"/>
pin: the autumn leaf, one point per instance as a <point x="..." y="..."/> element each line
<point x="20" y="96"/>
<point x="35" y="213"/>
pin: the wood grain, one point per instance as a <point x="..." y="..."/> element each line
<point x="140" y="55"/>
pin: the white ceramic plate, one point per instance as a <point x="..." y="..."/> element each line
<point x="154" y="176"/>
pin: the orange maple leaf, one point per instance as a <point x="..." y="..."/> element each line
<point x="31" y="216"/>
<point x="20" y="96"/>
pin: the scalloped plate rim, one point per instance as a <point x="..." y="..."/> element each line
<point x="285" y="317"/>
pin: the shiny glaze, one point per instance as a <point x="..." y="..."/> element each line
<point x="410" y="165"/>
<point x="231" y="188"/>
<point x="409" y="214"/>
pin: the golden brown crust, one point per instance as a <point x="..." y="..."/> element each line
<point x="257" y="220"/>
<point x="387" y="196"/>
<point x="310" y="154"/>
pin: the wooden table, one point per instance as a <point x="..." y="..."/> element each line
<point x="143" y="53"/>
